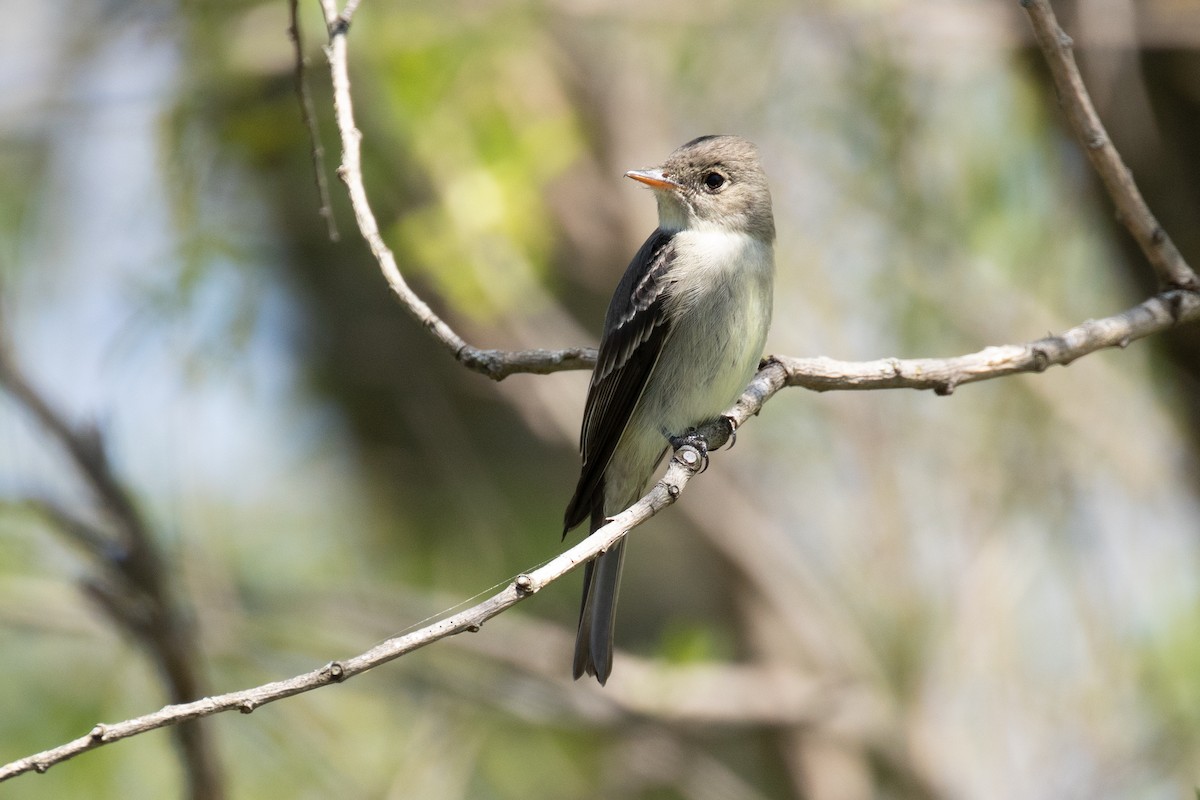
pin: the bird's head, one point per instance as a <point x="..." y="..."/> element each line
<point x="715" y="183"/>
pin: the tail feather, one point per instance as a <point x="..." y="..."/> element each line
<point x="594" y="640"/>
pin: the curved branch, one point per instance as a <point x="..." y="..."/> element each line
<point x="1160" y="251"/>
<point x="496" y="364"/>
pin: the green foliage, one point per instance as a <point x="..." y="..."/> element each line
<point x="484" y="118"/>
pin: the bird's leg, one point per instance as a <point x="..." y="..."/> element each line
<point x="728" y="420"/>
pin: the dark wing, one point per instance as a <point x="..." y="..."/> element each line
<point x="634" y="331"/>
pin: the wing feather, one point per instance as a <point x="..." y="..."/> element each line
<point x="636" y="327"/>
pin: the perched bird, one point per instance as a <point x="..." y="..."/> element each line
<point x="683" y="335"/>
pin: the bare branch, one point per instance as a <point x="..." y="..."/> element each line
<point x="942" y="375"/>
<point x="98" y="543"/>
<point x="682" y="468"/>
<point x="820" y="374"/>
<point x="134" y="590"/>
<point x="348" y="12"/>
<point x="309" y="116"/>
<point x="496" y="364"/>
<point x="1056" y="46"/>
<point x="499" y="364"/>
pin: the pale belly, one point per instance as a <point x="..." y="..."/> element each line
<point x="716" y="342"/>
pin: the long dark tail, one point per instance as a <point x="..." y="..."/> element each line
<point x="594" y="641"/>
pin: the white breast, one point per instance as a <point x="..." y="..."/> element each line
<point x="721" y="292"/>
<point x="721" y="309"/>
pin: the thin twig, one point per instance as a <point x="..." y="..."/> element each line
<point x="308" y="114"/>
<point x="1056" y="46"/>
<point x="348" y="12"/>
<point x="98" y="544"/>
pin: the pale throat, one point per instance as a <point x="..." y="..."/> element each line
<point x="672" y="215"/>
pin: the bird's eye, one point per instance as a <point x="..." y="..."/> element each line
<point x="713" y="181"/>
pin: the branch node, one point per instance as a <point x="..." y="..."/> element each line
<point x="40" y="767"/>
<point x="488" y="362"/>
<point x="1064" y="41"/>
<point x="672" y="489"/>
<point x="474" y="627"/>
<point x="247" y="706"/>
<point x="1041" y="359"/>
<point x="1174" y="303"/>
<point x="945" y="388"/>
<point x="523" y="584"/>
<point x="1097" y="140"/>
<point x="335" y="672"/>
<point x="98" y="733"/>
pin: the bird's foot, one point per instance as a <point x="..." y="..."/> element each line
<point x="692" y="439"/>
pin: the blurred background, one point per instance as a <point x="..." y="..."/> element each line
<point x="887" y="594"/>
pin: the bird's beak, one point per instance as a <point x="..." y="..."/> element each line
<point x="653" y="178"/>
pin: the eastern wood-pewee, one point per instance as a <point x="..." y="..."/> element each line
<point x="683" y="335"/>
